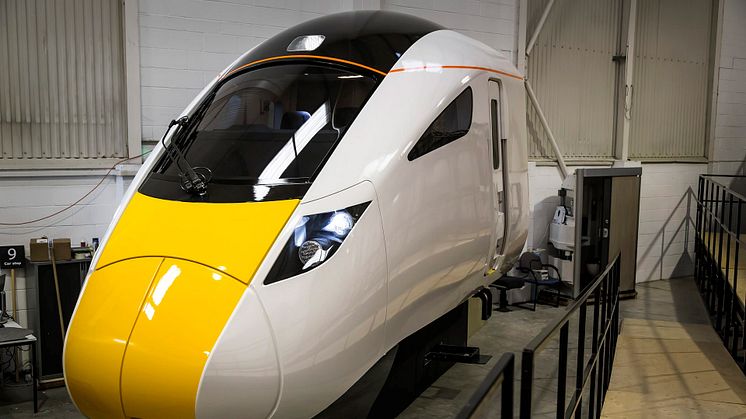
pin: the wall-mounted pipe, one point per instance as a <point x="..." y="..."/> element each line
<point x="539" y="27"/>
<point x="532" y="96"/>
<point x="543" y="119"/>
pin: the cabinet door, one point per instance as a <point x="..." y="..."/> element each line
<point x="50" y="335"/>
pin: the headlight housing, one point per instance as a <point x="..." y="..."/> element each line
<point x="315" y="239"/>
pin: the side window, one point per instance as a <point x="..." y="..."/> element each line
<point x="495" y="116"/>
<point x="452" y="124"/>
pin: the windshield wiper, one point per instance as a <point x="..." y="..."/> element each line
<point x="191" y="181"/>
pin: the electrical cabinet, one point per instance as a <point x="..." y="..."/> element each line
<point x="43" y="316"/>
<point x="607" y="210"/>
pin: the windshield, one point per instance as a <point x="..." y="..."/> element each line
<point x="265" y="133"/>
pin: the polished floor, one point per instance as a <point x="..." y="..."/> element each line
<point x="670" y="363"/>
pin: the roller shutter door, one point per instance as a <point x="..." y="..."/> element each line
<point x="61" y="81"/>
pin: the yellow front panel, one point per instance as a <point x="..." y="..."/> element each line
<point x="181" y="318"/>
<point x="98" y="334"/>
<point x="231" y="237"/>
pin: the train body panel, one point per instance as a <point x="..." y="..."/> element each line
<point x="329" y="322"/>
<point x="380" y="241"/>
<point x="438" y="210"/>
<point x="242" y="373"/>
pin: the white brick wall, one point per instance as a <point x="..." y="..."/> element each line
<point x="665" y="208"/>
<point x="185" y="43"/>
<point x="730" y="126"/>
<point x="24" y="198"/>
<point x="492" y="22"/>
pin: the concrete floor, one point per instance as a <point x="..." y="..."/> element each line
<point x="507" y="332"/>
<point x="504" y="332"/>
<point x="670" y="363"/>
<point x="53" y="403"/>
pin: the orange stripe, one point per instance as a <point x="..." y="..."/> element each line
<point x="468" y="67"/>
<point x="320" y="57"/>
<point x="396" y="70"/>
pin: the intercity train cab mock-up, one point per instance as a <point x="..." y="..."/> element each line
<point x="333" y="191"/>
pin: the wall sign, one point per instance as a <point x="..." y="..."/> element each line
<point x="12" y="257"/>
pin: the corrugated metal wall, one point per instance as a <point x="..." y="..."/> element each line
<point x="573" y="75"/>
<point x="670" y="88"/>
<point x="61" y="80"/>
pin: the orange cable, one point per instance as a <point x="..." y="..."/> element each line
<point x="79" y="200"/>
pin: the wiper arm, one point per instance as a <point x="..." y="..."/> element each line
<point x="191" y="181"/>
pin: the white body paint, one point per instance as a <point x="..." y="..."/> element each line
<point x="422" y="246"/>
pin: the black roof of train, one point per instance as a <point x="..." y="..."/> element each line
<point x="374" y="39"/>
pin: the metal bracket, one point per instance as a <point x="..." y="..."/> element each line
<point x="453" y="353"/>
<point x="485" y="295"/>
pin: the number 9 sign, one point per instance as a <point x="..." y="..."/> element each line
<point x="12" y="257"/>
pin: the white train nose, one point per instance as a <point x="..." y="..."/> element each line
<point x="242" y="373"/>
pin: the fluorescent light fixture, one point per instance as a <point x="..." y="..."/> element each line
<point x="306" y="43"/>
<point x="354" y="76"/>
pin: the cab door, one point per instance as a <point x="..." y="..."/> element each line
<point x="497" y="148"/>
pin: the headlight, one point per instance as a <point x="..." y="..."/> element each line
<point x="315" y="239"/>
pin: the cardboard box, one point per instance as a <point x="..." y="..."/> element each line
<point x="40" y="251"/>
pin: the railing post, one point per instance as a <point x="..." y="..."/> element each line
<point x="730" y="306"/>
<point x="607" y="339"/>
<point x="594" y="351"/>
<point x="580" y="363"/>
<point x="724" y="285"/>
<point x="741" y="203"/>
<point x="527" y="381"/>
<point x="603" y="349"/>
<point x="706" y="240"/>
<point x="562" y="370"/>
<point x="710" y="273"/>
<point x="698" y="223"/>
<point x="507" y="390"/>
<point x="615" y="327"/>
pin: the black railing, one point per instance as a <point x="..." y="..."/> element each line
<point x="718" y="242"/>
<point x="592" y="372"/>
<point x="595" y="373"/>
<point x="502" y="374"/>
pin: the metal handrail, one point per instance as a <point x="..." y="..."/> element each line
<point x="550" y="330"/>
<point x="736" y="194"/>
<point x="712" y="216"/>
<point x="715" y="238"/>
<point x="501" y="373"/>
<point x="596" y="372"/>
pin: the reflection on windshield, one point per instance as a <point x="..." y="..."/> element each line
<point x="297" y="143"/>
<point x="269" y="127"/>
